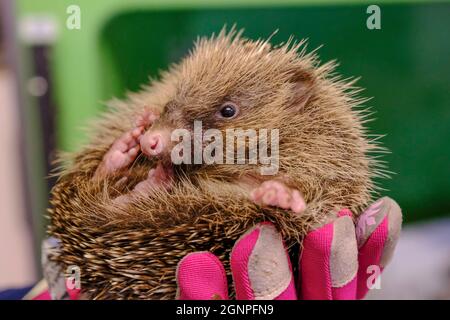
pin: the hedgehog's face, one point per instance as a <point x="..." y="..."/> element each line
<point x="226" y="86"/>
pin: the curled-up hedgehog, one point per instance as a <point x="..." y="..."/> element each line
<point x="126" y="212"/>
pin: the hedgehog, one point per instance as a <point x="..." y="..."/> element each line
<point x="126" y="213"/>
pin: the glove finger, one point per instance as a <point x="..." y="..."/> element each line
<point x="201" y="276"/>
<point x="377" y="232"/>
<point x="329" y="261"/>
<point x="261" y="267"/>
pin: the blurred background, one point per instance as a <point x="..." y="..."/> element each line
<point x="60" y="60"/>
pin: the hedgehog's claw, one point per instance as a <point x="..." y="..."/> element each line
<point x="146" y="118"/>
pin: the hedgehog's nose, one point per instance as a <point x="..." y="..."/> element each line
<point x="152" y="143"/>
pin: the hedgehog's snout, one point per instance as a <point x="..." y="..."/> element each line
<point x="155" y="142"/>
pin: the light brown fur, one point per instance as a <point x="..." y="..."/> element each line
<point x="131" y="251"/>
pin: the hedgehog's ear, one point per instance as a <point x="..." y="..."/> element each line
<point x="302" y="89"/>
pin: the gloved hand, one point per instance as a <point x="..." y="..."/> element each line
<point x="338" y="261"/>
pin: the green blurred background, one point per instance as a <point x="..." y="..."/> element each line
<point x="405" y="66"/>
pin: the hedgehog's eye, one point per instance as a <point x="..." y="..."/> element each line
<point x="228" y="110"/>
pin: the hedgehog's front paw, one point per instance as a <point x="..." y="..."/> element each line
<point x="121" y="154"/>
<point x="160" y="176"/>
<point x="277" y="194"/>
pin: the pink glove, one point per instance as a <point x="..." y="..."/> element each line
<point x="337" y="261"/>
